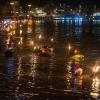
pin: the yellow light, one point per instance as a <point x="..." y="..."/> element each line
<point x="7" y="41"/>
<point x="35" y="47"/>
<point x="8" y="29"/>
<point x="20" y="31"/>
<point x="96" y="68"/>
<point x="31" y="42"/>
<point x="20" y="41"/>
<point x="69" y="47"/>
<point x="30" y="22"/>
<point x="52" y="39"/>
<point x="13" y="32"/>
<point x="20" y="25"/>
<point x="40" y="36"/>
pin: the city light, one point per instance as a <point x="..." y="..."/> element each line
<point x="29" y="5"/>
<point x="69" y="47"/>
<point x="40" y="36"/>
<point x="96" y="68"/>
<point x="11" y="3"/>
<point x="51" y="39"/>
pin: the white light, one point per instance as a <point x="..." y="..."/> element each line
<point x="96" y="68"/>
<point x="40" y="36"/>
<point x="12" y="3"/>
<point x="52" y="39"/>
<point x="69" y="47"/>
<point x="20" y="31"/>
<point x="29" y="5"/>
<point x="35" y="47"/>
<point x="20" y="25"/>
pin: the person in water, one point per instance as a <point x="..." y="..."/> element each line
<point x="77" y="60"/>
<point x="9" y="49"/>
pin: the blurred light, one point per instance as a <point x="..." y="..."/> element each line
<point x="20" y="25"/>
<point x="69" y="47"/>
<point x="35" y="47"/>
<point x="29" y="5"/>
<point x="52" y="39"/>
<point x="96" y="68"/>
<point x="95" y="88"/>
<point x="40" y="36"/>
<point x="7" y="41"/>
<point x="20" y="31"/>
<point x="24" y="21"/>
<point x="8" y="29"/>
<point x="20" y="41"/>
<point x="31" y="42"/>
<point x="30" y="22"/>
<point x="13" y="32"/>
<point x="29" y="30"/>
<point x="11" y="3"/>
<point x="7" y="21"/>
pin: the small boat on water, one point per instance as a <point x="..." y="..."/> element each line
<point x="46" y="50"/>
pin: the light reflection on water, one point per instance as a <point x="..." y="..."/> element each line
<point x="95" y="87"/>
<point x="52" y="75"/>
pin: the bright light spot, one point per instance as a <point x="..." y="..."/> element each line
<point x="8" y="29"/>
<point x="95" y="87"/>
<point x="20" y="31"/>
<point x="40" y="36"/>
<point x="94" y="95"/>
<point x="52" y="39"/>
<point x="96" y="68"/>
<point x="20" y="41"/>
<point x="30" y="22"/>
<point x="29" y="30"/>
<point x="11" y="3"/>
<point x="7" y="41"/>
<point x="13" y="32"/>
<point x="35" y="47"/>
<point x="31" y="42"/>
<point x="29" y="5"/>
<point x="20" y="25"/>
<point x="69" y="47"/>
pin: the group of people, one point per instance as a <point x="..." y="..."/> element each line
<point x="77" y="58"/>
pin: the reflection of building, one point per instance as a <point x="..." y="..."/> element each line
<point x="96" y="15"/>
<point x="14" y="6"/>
<point x="96" y="18"/>
<point x="10" y="7"/>
<point x="95" y="87"/>
<point x="40" y="12"/>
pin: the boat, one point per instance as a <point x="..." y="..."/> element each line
<point x="46" y="50"/>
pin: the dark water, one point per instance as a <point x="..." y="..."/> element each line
<point x="30" y="76"/>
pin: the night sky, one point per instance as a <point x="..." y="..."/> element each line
<point x="43" y="2"/>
